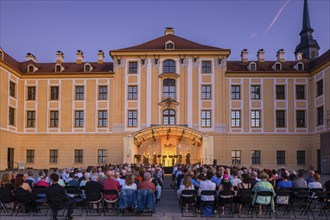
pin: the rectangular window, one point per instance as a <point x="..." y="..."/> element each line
<point x="31" y="93"/>
<point x="255" y="118"/>
<point x="255" y="92"/>
<point x="103" y="92"/>
<point x="206" y="92"/>
<point x="132" y="67"/>
<point x="11" y="116"/>
<point x="53" y="154"/>
<point x="102" y="156"/>
<point x="280" y="92"/>
<point x="300" y="92"/>
<point x="255" y="157"/>
<point x="31" y="116"/>
<point x="103" y="118"/>
<point x="320" y="116"/>
<point x="132" y="92"/>
<point x="206" y="118"/>
<point x="53" y="119"/>
<point x="78" y="156"/>
<point x="132" y="118"/>
<point x="235" y="118"/>
<point x="29" y="156"/>
<point x="79" y="118"/>
<point x="301" y="157"/>
<point x="300" y="117"/>
<point x="280" y="157"/>
<point x="80" y="92"/>
<point x="54" y="92"/>
<point x="320" y="87"/>
<point x="206" y="66"/>
<point x="12" y="89"/>
<point x="235" y="92"/>
<point x="235" y="157"/>
<point x="280" y="118"/>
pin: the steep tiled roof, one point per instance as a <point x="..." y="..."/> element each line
<point x="286" y="65"/>
<point x="179" y="42"/>
<point x="69" y="67"/>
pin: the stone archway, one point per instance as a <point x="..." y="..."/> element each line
<point x="168" y="145"/>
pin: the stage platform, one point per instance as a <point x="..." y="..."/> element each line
<point x="168" y="170"/>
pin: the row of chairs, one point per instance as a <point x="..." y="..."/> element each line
<point x="288" y="203"/>
<point x="92" y="201"/>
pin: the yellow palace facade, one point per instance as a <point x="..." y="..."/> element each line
<point x="167" y="101"/>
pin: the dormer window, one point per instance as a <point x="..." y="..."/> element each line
<point x="300" y="66"/>
<point x="30" y="69"/>
<point x="58" y="68"/>
<point x="88" y="67"/>
<point x="169" y="45"/>
<point x="252" y="67"/>
<point x="1" y="55"/>
<point x="277" y="66"/>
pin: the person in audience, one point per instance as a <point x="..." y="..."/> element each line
<point x="24" y="194"/>
<point x="74" y="182"/>
<point x="207" y="185"/>
<point x="244" y="185"/>
<point x="235" y="181"/>
<point x="43" y="172"/>
<point x="310" y="177"/>
<point x="94" y="186"/>
<point x="147" y="183"/>
<point x="316" y="183"/>
<point x="65" y="174"/>
<point x="118" y="179"/>
<point x="254" y="178"/>
<point x="111" y="184"/>
<point x="263" y="185"/>
<point x="299" y="182"/>
<point x="285" y="182"/>
<point x="43" y="181"/>
<point x="30" y="174"/>
<point x="13" y="177"/>
<point x="225" y="188"/>
<point x="58" y="198"/>
<point x="123" y="174"/>
<point x="129" y="182"/>
<point x="187" y="185"/>
<point x="6" y="182"/>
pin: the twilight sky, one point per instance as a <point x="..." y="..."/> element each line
<point x="43" y="26"/>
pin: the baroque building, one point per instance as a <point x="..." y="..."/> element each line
<point x="169" y="100"/>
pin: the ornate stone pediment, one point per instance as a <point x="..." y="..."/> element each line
<point x="168" y="103"/>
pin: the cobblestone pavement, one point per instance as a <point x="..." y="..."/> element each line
<point x="167" y="209"/>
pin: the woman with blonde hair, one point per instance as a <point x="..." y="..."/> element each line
<point x="130" y="182"/>
<point x="186" y="185"/>
<point x="6" y="182"/>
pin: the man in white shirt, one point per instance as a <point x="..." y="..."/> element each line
<point x="207" y="185"/>
<point x="117" y="178"/>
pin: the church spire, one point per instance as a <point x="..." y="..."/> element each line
<point x="308" y="46"/>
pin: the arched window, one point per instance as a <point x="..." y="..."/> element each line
<point x="278" y="67"/>
<point x="169" y="117"/>
<point x="169" y="88"/>
<point x="58" y="68"/>
<point x="30" y="69"/>
<point x="169" y="66"/>
<point x="87" y="68"/>
<point x="169" y="46"/>
<point x="253" y="67"/>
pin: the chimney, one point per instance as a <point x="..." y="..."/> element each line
<point x="59" y="56"/>
<point x="30" y="56"/>
<point x="261" y="55"/>
<point x="169" y="30"/>
<point x="280" y="55"/>
<point x="299" y="56"/>
<point x="100" y="56"/>
<point x="244" y="55"/>
<point x="79" y="57"/>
